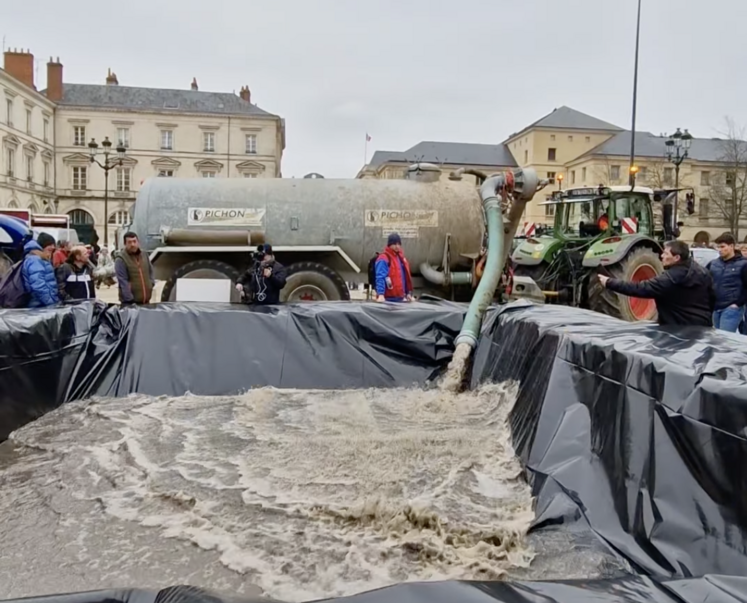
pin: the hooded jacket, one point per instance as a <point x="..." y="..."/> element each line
<point x="38" y="277"/>
<point x="683" y="293"/>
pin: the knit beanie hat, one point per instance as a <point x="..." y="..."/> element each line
<point x="393" y="239"/>
<point x="45" y="240"/>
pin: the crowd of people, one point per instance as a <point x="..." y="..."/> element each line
<point x="687" y="293"/>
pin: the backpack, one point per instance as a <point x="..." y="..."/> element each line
<point x="372" y="270"/>
<point x="13" y="294"/>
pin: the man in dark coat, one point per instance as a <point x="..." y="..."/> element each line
<point x="729" y="272"/>
<point x="262" y="283"/>
<point x="683" y="293"/>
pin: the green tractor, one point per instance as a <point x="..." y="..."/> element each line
<point x="604" y="230"/>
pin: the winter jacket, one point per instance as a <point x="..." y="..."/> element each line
<point x="38" y="277"/>
<point x="683" y="293"/>
<point x="74" y="282"/>
<point x="134" y="277"/>
<point x="261" y="290"/>
<point x="729" y="280"/>
<point x="59" y="257"/>
<point x="395" y="267"/>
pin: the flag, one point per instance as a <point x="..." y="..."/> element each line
<point x="368" y="138"/>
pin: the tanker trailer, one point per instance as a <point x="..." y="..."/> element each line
<point x="324" y="231"/>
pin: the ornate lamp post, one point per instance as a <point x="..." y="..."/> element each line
<point x="109" y="164"/>
<point x="678" y="145"/>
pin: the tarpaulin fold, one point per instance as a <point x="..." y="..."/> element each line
<point x="52" y="356"/>
<point x="635" y="429"/>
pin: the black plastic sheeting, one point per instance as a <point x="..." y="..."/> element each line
<point x="714" y="589"/>
<point x="52" y="356"/>
<point x="632" y="431"/>
<point x="635" y="430"/>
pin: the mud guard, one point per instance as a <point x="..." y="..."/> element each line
<point x="623" y="248"/>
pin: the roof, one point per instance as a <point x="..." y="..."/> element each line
<point x="452" y="153"/>
<point x="565" y="118"/>
<point x="162" y="100"/>
<point x="650" y="145"/>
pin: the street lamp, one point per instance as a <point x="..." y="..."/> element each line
<point x="634" y="169"/>
<point x="109" y="164"/>
<point x="559" y="178"/>
<point x="678" y="145"/>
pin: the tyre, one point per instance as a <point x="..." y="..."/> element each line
<point x="212" y="269"/>
<point x="639" y="265"/>
<point x="5" y="265"/>
<point x="309" y="281"/>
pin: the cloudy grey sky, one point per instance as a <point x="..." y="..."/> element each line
<point x="407" y="70"/>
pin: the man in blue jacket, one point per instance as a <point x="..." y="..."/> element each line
<point x="38" y="274"/>
<point x="729" y="272"/>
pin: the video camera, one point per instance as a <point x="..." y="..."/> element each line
<point x="260" y="253"/>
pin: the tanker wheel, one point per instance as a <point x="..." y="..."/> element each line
<point x="309" y="281"/>
<point x="639" y="265"/>
<point x="212" y="269"/>
<point x="5" y="265"/>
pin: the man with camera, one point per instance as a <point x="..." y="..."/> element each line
<point x="262" y="283"/>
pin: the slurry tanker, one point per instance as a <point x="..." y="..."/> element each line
<point x="326" y="231"/>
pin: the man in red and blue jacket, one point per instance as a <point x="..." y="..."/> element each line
<point x="393" y="278"/>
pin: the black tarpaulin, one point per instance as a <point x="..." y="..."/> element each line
<point x="635" y="429"/>
<point x="52" y="356"/>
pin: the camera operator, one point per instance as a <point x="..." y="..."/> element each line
<point x="262" y="283"/>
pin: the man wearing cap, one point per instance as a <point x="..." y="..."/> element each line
<point x="393" y="278"/>
<point x="262" y="283"/>
<point x="37" y="272"/>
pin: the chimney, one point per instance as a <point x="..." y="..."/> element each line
<point x="194" y="84"/>
<point x="245" y="94"/>
<point x="111" y="78"/>
<point x="20" y="65"/>
<point x="54" y="80"/>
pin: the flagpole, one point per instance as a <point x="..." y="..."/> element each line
<point x="365" y="150"/>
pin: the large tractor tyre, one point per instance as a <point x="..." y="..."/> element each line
<point x="309" y="281"/>
<point x="5" y="265"/>
<point x="212" y="269"/>
<point x="639" y="265"/>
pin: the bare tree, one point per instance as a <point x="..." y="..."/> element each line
<point x="728" y="188"/>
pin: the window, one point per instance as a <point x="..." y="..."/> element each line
<point x="79" y="136"/>
<point x="551" y="154"/>
<point x="549" y="210"/>
<point x="46" y="130"/>
<point x="29" y="168"/>
<point x="165" y="173"/>
<point x="705" y="178"/>
<point x="28" y="121"/>
<point x="729" y="178"/>
<point x="614" y="172"/>
<point x="668" y="175"/>
<point x="10" y="159"/>
<point x="703" y="210"/>
<point x="583" y="175"/>
<point x="123" y="137"/>
<point x="167" y="140"/>
<point x="570" y="139"/>
<point x="251" y="144"/>
<point x="123" y="179"/>
<point x="119" y="218"/>
<point x="46" y="173"/>
<point x="573" y="176"/>
<point x="250" y="175"/>
<point x="9" y="112"/>
<point x="642" y="173"/>
<point x="80" y="176"/>
<point x="552" y="136"/>
<point x="208" y="142"/>
<point x="551" y="177"/>
<point x="80" y="216"/>
<point x="208" y="174"/>
<point x="587" y="139"/>
<point x="526" y="156"/>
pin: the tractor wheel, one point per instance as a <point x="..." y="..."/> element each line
<point x="309" y="281"/>
<point x="5" y="265"/>
<point x="639" y="265"/>
<point x="212" y="269"/>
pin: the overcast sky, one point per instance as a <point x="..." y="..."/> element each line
<point x="407" y="70"/>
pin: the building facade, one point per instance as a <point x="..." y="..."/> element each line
<point x="587" y="151"/>
<point x="165" y="133"/>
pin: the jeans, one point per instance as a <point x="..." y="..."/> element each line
<point x="728" y="319"/>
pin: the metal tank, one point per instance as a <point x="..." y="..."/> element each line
<point x="354" y="215"/>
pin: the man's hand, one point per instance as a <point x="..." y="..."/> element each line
<point x="409" y="297"/>
<point x="239" y="287"/>
<point x="603" y="279"/>
<point x="267" y="272"/>
<point x="380" y="299"/>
